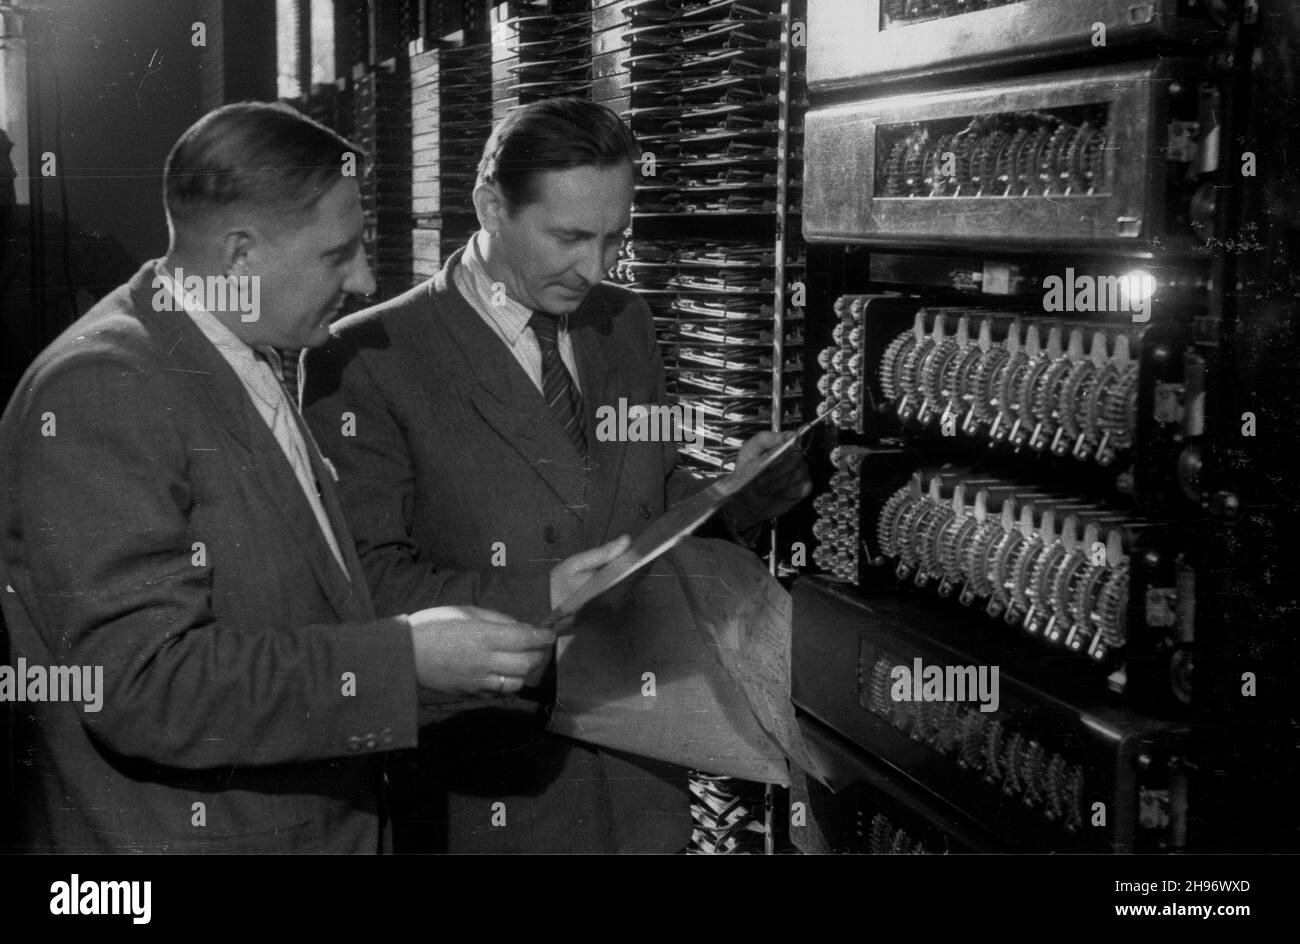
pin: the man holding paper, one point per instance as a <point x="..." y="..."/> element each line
<point x="462" y="419"/>
<point x="167" y="521"/>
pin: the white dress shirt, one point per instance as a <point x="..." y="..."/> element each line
<point x="507" y="317"/>
<point x="268" y="396"/>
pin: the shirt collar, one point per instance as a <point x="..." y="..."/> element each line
<point x="222" y="338"/>
<point x="510" y="316"/>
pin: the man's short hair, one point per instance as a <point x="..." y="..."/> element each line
<point x="553" y="134"/>
<point x="261" y="154"/>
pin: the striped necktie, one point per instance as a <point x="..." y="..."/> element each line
<point x="288" y="373"/>
<point x="557" y="386"/>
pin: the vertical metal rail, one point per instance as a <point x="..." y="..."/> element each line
<point x="782" y="218"/>
<point x="778" y="324"/>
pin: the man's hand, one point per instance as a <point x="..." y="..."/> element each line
<point x="464" y="650"/>
<point x="572" y="573"/>
<point x="777" y="490"/>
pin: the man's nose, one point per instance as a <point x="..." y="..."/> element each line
<point x="360" y="280"/>
<point x="592" y="266"/>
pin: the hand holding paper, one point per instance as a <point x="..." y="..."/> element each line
<point x="685" y="517"/>
<point x="573" y="572"/>
<point x="469" y="651"/>
<point x="781" y="485"/>
<point x="568" y="576"/>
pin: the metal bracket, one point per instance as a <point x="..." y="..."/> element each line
<point x="1161" y="604"/>
<point x="1183" y="137"/>
<point x="1170" y="402"/>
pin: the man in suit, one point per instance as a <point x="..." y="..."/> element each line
<point x="171" y="537"/>
<point x="462" y="418"/>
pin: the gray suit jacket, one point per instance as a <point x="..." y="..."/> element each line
<point x="150" y="525"/>
<point x="449" y="460"/>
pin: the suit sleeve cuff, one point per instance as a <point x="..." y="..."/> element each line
<point x="384" y="692"/>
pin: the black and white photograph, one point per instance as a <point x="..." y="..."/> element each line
<point x="652" y="427"/>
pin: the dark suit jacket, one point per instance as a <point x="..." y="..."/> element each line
<point x="161" y="534"/>
<point x="448" y="454"/>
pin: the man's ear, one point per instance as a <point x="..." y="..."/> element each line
<point x="236" y="245"/>
<point x="490" y="205"/>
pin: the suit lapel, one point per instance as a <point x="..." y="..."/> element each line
<point x="187" y="353"/>
<point x="359" y="603"/>
<point x="200" y="367"/>
<point x="505" y="397"/>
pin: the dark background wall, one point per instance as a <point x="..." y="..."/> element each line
<point x="112" y="84"/>
<point x="120" y="81"/>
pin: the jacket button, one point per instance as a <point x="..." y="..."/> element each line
<point x="372" y="742"/>
<point x="387" y="736"/>
<point x="354" y="744"/>
<point x="644" y="509"/>
<point x="548" y="533"/>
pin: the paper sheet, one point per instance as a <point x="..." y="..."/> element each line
<point x="751" y="626"/>
<point x="670" y="528"/>
<point x="689" y="663"/>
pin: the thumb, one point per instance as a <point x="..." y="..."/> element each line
<point x="760" y="444"/>
<point x="769" y="440"/>
<point x="598" y="556"/>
